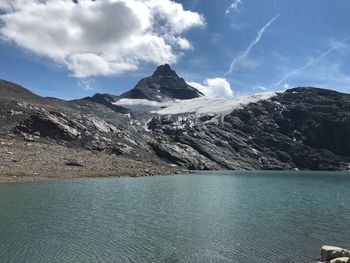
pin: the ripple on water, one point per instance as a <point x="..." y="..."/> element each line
<point x="204" y="217"/>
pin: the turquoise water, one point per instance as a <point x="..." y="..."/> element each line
<point x="203" y="217"/>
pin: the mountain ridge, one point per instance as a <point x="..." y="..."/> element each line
<point x="301" y="128"/>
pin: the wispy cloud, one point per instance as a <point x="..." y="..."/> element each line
<point x="324" y="75"/>
<point x="238" y="26"/>
<point x="233" y="7"/>
<point x="86" y="84"/>
<point x="341" y="45"/>
<point x="306" y="65"/>
<point x="216" y="38"/>
<point x="252" y="44"/>
<point x="334" y="46"/>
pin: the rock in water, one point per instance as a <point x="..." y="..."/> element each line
<point x="330" y="252"/>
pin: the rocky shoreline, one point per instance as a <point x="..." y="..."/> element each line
<point x="22" y="161"/>
<point x="331" y="254"/>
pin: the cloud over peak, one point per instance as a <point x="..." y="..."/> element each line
<point x="102" y="37"/>
<point x="214" y="88"/>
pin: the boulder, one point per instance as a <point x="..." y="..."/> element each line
<point x="329" y="252"/>
<point x="52" y="125"/>
<point x="340" y="260"/>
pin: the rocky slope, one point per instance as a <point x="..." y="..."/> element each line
<point x="34" y="160"/>
<point x="302" y="128"/>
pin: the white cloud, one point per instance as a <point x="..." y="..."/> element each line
<point x="233" y="7"/>
<point x="183" y="43"/>
<point x="260" y="87"/>
<point x="214" y="88"/>
<point x="244" y="55"/>
<point x="102" y="37"/>
<point x="178" y="42"/>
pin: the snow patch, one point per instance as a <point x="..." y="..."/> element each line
<point x="201" y="105"/>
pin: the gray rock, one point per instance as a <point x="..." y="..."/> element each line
<point x="340" y="260"/>
<point x="329" y="253"/>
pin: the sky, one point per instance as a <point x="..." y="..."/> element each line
<point x="226" y="48"/>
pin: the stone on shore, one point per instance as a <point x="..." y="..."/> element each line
<point x="330" y="252"/>
<point x="340" y="260"/>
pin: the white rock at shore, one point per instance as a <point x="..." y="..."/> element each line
<point x="330" y="252"/>
<point x="340" y="260"/>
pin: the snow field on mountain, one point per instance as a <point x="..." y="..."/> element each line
<point x="201" y="105"/>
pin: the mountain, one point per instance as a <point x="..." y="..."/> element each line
<point x="163" y="85"/>
<point x="14" y="91"/>
<point x="107" y="100"/>
<point x="301" y="128"/>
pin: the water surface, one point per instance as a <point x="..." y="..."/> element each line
<point x="202" y="217"/>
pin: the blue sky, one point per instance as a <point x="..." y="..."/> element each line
<point x="273" y="44"/>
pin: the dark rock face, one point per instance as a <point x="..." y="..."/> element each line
<point x="320" y="117"/>
<point x="163" y="85"/>
<point x="164" y="71"/>
<point x="50" y="126"/>
<point x="302" y="128"/>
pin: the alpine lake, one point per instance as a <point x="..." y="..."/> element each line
<point x="221" y="216"/>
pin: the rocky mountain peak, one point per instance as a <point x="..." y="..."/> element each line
<point x="163" y="85"/>
<point x="164" y="71"/>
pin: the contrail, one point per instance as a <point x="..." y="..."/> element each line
<point x="297" y="70"/>
<point x="246" y="52"/>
